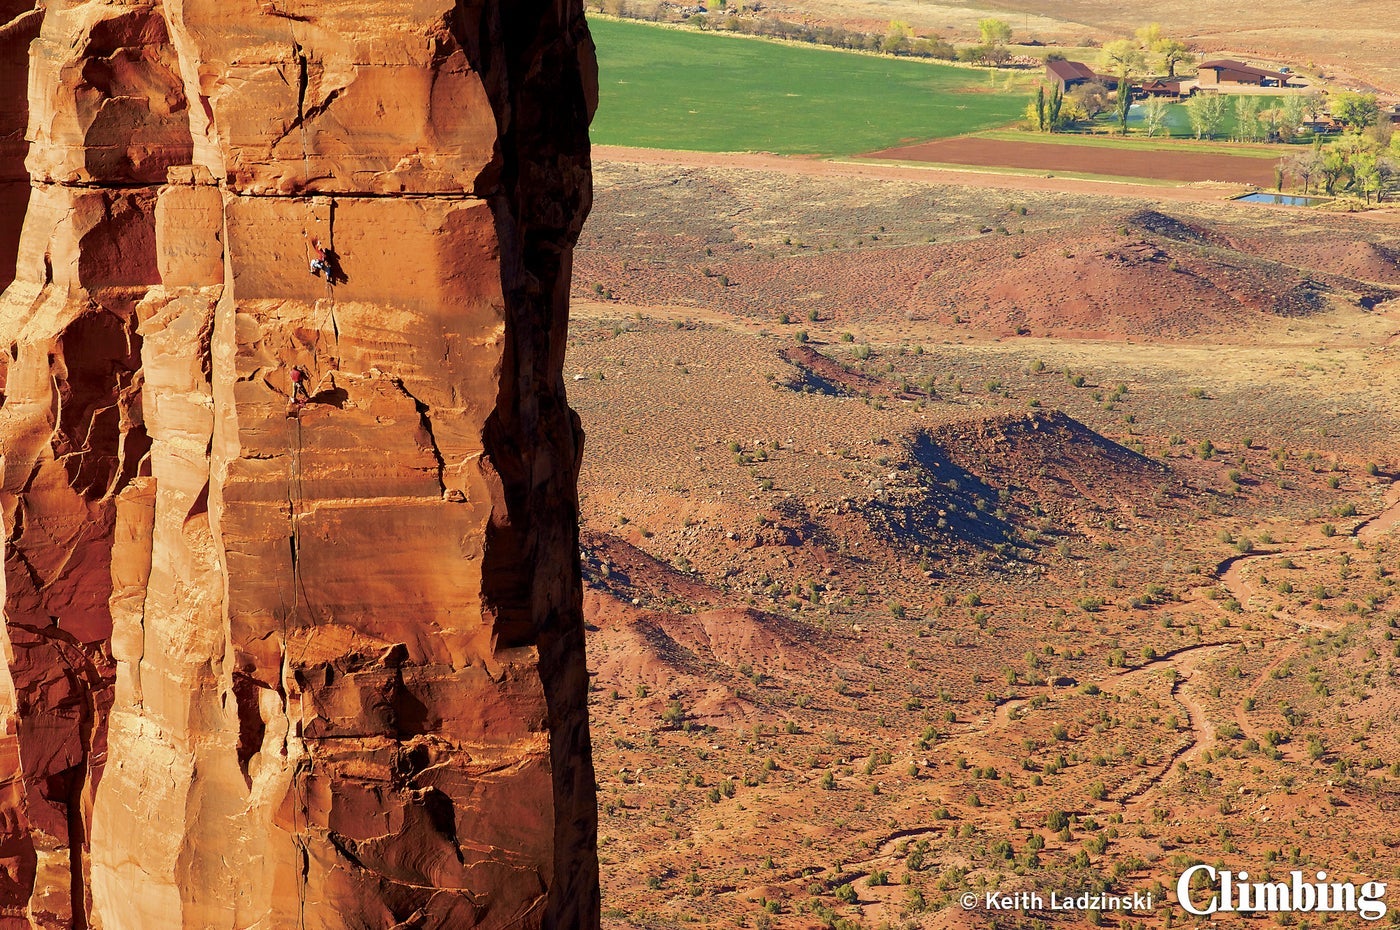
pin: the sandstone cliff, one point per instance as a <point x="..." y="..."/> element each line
<point x="317" y="671"/>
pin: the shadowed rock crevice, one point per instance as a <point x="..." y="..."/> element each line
<point x="19" y="24"/>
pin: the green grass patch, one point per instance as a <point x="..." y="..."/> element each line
<point x="1178" y="126"/>
<point x="680" y="89"/>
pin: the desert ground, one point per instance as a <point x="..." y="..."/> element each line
<point x="1353" y="42"/>
<point x="947" y="533"/>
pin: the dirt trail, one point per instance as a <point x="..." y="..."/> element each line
<point x="1247" y="727"/>
<point x="1184" y="660"/>
<point x="1002" y="718"/>
<point x="1202" y="738"/>
<point x="1231" y="574"/>
<point x="813" y="167"/>
<point x="1384" y="522"/>
<point x="1244" y="588"/>
<point x="1140" y="793"/>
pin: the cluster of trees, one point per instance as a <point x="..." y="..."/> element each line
<point x="1130" y="59"/>
<point x="1207" y="114"/>
<point x="1273" y="119"/>
<point x="1279" y="119"/>
<point x="1044" y="111"/>
<point x="1167" y="52"/>
<point x="1356" y="111"/>
<point x="1353" y="164"/>
<point x="1365" y="161"/>
<point x="1051" y="111"/>
<point x="1125" y="60"/>
<point x="995" y="34"/>
<point x="899" y="39"/>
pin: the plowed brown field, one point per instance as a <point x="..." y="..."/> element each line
<point x="1085" y="159"/>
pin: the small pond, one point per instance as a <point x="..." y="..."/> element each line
<point x="1287" y="200"/>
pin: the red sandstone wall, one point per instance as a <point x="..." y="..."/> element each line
<point x="323" y="671"/>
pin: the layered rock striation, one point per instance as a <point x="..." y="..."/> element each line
<point x="272" y="665"/>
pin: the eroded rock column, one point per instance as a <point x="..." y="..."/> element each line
<point x="105" y="121"/>
<point x="322" y="670"/>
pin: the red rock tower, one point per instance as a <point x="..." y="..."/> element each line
<point x="285" y="665"/>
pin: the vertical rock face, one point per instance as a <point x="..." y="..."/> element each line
<point x="19" y="25"/>
<point x="312" y="671"/>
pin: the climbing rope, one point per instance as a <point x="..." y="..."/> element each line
<point x="330" y="280"/>
<point x="305" y="764"/>
<point x="301" y="118"/>
<point x="295" y="504"/>
<point x="303" y="82"/>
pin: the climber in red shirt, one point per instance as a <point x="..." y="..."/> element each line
<point x="319" y="263"/>
<point x="299" y="393"/>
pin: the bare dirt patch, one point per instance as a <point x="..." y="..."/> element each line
<point x="1084" y="159"/>
<point x="911" y="171"/>
<point x="858" y="251"/>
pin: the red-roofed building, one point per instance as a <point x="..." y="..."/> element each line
<point x="1162" y="87"/>
<point x="1225" y="71"/>
<point x="1070" y="74"/>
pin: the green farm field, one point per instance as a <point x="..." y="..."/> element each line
<point x="677" y="89"/>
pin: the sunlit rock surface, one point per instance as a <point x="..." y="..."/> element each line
<point x="274" y="671"/>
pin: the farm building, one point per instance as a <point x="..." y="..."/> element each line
<point x="1070" y="74"/>
<point x="1224" y="72"/>
<point x="1323" y="126"/>
<point x="1162" y="87"/>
